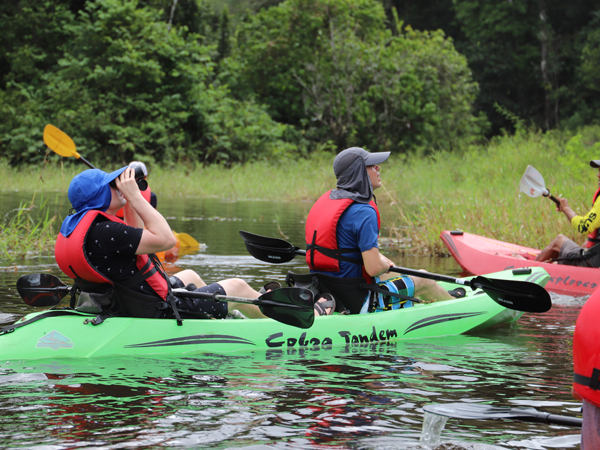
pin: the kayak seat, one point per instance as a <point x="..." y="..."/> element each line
<point x="270" y="286"/>
<point x="459" y="292"/>
<point x="349" y="293"/>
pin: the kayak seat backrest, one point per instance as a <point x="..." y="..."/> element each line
<point x="349" y="293"/>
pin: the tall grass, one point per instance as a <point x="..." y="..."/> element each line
<point x="476" y="189"/>
<point x="21" y="235"/>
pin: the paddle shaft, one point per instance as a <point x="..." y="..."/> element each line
<point x="61" y="290"/>
<point x="417" y="273"/>
<point x="517" y="295"/>
<point x="474" y="411"/>
<point x="90" y="165"/>
<point x="230" y="298"/>
<point x="561" y="420"/>
<point x="552" y="197"/>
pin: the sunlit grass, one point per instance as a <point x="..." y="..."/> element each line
<point x="478" y="191"/>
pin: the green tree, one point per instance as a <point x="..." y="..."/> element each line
<point x="332" y="69"/>
<point x="128" y="88"/>
<point x="590" y="56"/>
<point x="525" y="56"/>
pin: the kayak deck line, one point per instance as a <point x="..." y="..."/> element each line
<point x="194" y="340"/>
<point x="69" y="336"/>
<point x="479" y="255"/>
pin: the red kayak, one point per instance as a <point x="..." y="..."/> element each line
<point x="479" y="255"/>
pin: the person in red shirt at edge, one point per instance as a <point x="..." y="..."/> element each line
<point x="342" y="230"/>
<point x="586" y="368"/>
<point x="100" y="252"/>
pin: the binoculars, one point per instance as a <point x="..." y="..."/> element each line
<point x="140" y="174"/>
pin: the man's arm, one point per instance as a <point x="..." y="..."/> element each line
<point x="583" y="224"/>
<point x="157" y="235"/>
<point x="375" y="263"/>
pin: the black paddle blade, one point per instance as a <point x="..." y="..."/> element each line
<point x="291" y="306"/>
<point x="482" y="412"/>
<point x="512" y="294"/>
<point x="268" y="249"/>
<point x="42" y="289"/>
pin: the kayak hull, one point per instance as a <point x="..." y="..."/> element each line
<point x="479" y="255"/>
<point x="68" y="336"/>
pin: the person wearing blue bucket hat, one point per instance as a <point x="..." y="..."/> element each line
<point x="88" y="191"/>
<point x="112" y="260"/>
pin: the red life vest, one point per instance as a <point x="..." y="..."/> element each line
<point x="593" y="236"/>
<point x="147" y="194"/>
<point x="586" y="352"/>
<point x="321" y="235"/>
<point x="73" y="261"/>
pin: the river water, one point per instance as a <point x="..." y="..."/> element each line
<point x="367" y="397"/>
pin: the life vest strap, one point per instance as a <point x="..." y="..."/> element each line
<point x="142" y="274"/>
<point x="336" y="253"/>
<point x="592" y="382"/>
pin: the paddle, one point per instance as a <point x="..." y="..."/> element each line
<point x="59" y="142"/>
<point x="483" y="412"/>
<point x="512" y="294"/>
<point x="185" y="240"/>
<point x="532" y="184"/>
<point x="291" y="306"/>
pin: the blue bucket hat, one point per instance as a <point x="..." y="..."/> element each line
<point x="88" y="191"/>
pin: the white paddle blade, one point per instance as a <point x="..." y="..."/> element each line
<point x="532" y="183"/>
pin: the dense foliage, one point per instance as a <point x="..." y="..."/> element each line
<point x="187" y="81"/>
<point x="133" y="79"/>
<point x="532" y="59"/>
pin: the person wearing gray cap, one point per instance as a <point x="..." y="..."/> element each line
<point x="342" y="230"/>
<point x="562" y="249"/>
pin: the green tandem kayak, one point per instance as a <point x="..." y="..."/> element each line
<point x="70" y="335"/>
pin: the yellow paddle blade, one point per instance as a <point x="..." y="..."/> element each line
<point x="59" y="142"/>
<point x="185" y="240"/>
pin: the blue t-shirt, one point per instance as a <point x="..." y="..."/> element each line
<point x="357" y="228"/>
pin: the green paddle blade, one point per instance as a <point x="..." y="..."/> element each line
<point x="476" y="411"/>
<point x="291" y="306"/>
<point x="42" y="289"/>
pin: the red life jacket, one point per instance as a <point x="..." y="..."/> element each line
<point x="147" y="194"/>
<point x="322" y="251"/>
<point x="586" y="352"/>
<point x="593" y="236"/>
<point x="73" y="260"/>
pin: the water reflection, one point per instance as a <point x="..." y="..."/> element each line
<point x="368" y="396"/>
<point x="334" y="397"/>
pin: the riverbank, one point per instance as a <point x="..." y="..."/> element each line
<point x="476" y="190"/>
